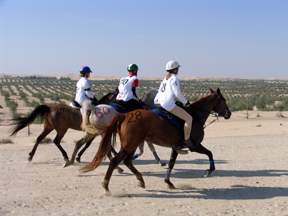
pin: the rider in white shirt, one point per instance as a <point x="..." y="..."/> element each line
<point x="83" y="90"/>
<point x="169" y="89"/>
<point x="128" y="88"/>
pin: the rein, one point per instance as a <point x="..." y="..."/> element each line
<point x="115" y="93"/>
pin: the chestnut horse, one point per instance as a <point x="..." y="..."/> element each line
<point x="139" y="125"/>
<point x="102" y="115"/>
<point x="59" y="117"/>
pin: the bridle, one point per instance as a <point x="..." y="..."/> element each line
<point x="221" y="106"/>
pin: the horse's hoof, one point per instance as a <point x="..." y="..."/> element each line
<point x="78" y="160"/>
<point x="120" y="170"/>
<point x="162" y="164"/>
<point x="171" y="187"/>
<point x="141" y="184"/>
<point x="29" y="159"/>
<point x="107" y="193"/>
<point x="169" y="184"/>
<point x="65" y="164"/>
<point x="207" y="173"/>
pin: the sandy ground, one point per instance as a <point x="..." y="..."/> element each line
<point x="251" y="176"/>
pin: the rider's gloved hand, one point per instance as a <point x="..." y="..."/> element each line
<point x="188" y="103"/>
<point x="95" y="101"/>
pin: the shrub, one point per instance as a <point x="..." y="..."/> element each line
<point x="5" y="141"/>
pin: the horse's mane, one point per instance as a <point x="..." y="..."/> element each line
<point x="105" y="97"/>
<point x="200" y="100"/>
<point x="197" y="103"/>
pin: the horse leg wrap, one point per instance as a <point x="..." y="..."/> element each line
<point x="167" y="176"/>
<point x="212" y="165"/>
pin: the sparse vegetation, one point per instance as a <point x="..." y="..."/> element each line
<point x="5" y="141"/>
<point x="264" y="94"/>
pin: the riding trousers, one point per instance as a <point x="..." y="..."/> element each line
<point x="181" y="113"/>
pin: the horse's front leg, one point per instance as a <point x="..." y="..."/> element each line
<point x="141" y="150"/>
<point x="151" y="147"/>
<point x="171" y="164"/>
<point x="202" y="150"/>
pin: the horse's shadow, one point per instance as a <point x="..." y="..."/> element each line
<point x="196" y="161"/>
<point x="192" y="173"/>
<point x="235" y="192"/>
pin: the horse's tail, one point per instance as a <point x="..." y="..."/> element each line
<point x="108" y="141"/>
<point x="20" y="122"/>
<point x="86" y="111"/>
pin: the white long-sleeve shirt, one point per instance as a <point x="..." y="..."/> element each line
<point x="169" y="89"/>
<point x="125" y="88"/>
<point x="83" y="91"/>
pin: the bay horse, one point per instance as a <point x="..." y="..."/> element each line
<point x="139" y="125"/>
<point x="60" y="117"/>
<point x="101" y="115"/>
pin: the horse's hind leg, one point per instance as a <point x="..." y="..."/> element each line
<point x="202" y="150"/>
<point x="57" y="141"/>
<point x="128" y="162"/>
<point x="87" y="138"/>
<point x="113" y="164"/>
<point x="171" y="164"/>
<point x="45" y="132"/>
<point x="109" y="155"/>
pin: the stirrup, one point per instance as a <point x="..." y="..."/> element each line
<point x="179" y="148"/>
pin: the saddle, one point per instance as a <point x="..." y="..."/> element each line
<point x="174" y="120"/>
<point x="118" y="108"/>
<point x="177" y="122"/>
<point x="124" y="107"/>
<point x="76" y="104"/>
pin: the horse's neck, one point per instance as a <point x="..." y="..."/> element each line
<point x="203" y="107"/>
<point x="107" y="99"/>
<point x="149" y="99"/>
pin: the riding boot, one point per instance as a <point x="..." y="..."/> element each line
<point x="191" y="144"/>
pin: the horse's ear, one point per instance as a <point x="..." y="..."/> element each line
<point x="211" y="90"/>
<point x="218" y="91"/>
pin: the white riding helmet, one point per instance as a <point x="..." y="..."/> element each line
<point x="172" y="65"/>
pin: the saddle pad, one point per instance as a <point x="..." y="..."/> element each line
<point x="170" y="118"/>
<point x="118" y="109"/>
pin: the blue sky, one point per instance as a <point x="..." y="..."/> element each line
<point x="209" y="38"/>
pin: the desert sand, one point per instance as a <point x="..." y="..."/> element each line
<point x="251" y="176"/>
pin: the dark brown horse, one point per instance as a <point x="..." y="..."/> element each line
<point x="139" y="125"/>
<point x="59" y="117"/>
